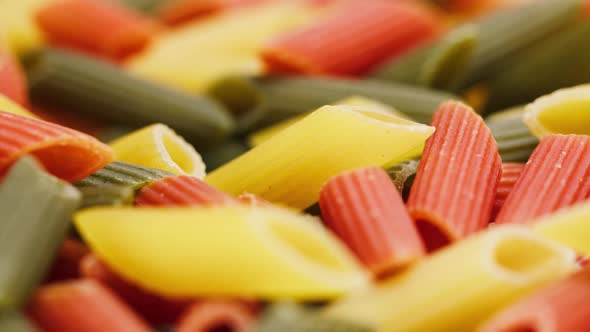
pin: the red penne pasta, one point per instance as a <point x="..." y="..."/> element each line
<point x="12" y="80"/>
<point x="82" y="305"/>
<point x="557" y="175"/>
<point x="353" y="40"/>
<point x="253" y="200"/>
<point x="66" y="265"/>
<point x="154" y="308"/>
<point x="365" y="210"/>
<point x="64" y="152"/>
<point x="181" y="190"/>
<point x="510" y="174"/>
<point x="217" y="315"/>
<point x="100" y="26"/>
<point x="453" y="193"/>
<point x="179" y="11"/>
<point x="70" y="119"/>
<point x="562" y="307"/>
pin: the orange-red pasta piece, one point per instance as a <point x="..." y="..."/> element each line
<point x="99" y="26"/>
<point x="217" y="315"/>
<point x="64" y="152"/>
<point x="557" y="175"/>
<point x="82" y="305"/>
<point x="12" y="79"/>
<point x="365" y="210"/>
<point x="181" y="190"/>
<point x="66" y="265"/>
<point x="510" y="174"/>
<point x="154" y="308"/>
<point x="453" y="194"/>
<point x="562" y="307"/>
<point x="352" y="40"/>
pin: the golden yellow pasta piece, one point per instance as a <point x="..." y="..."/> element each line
<point x="7" y="105"/>
<point x="291" y="167"/>
<point x="267" y="253"/>
<point x="17" y="24"/>
<point x="196" y="54"/>
<point x="264" y="134"/>
<point x="158" y="146"/>
<point x="460" y="286"/>
<point x="569" y="226"/>
<point x="565" y="111"/>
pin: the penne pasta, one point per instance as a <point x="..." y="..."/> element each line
<point x="290" y="317"/>
<point x="103" y="28"/>
<point x="490" y="270"/>
<point x="123" y="174"/>
<point x="460" y="167"/>
<point x="220" y="154"/>
<point x="12" y="79"/>
<point x="272" y="99"/>
<point x="36" y="209"/>
<point x="180" y="11"/>
<point x="56" y="308"/>
<point x="503" y="36"/>
<point x="15" y="322"/>
<point x="515" y="141"/>
<point x="10" y="106"/>
<point x="74" y="81"/>
<point x="438" y="64"/>
<point x="64" y="152"/>
<point x="364" y="209"/>
<point x="403" y="176"/>
<point x="66" y="265"/>
<point x="555" y="176"/>
<point x="561" y="112"/>
<point x="510" y="174"/>
<point x="295" y="178"/>
<point x="106" y="195"/>
<point x="158" y="146"/>
<point x="562" y="307"/>
<point x="181" y="191"/>
<point x="152" y="307"/>
<point x="543" y="68"/>
<point x="209" y="315"/>
<point x="269" y="253"/>
<point x="17" y="25"/>
<point x="568" y="226"/>
<point x="253" y="200"/>
<point x="352" y="39"/>
<point x="193" y="56"/>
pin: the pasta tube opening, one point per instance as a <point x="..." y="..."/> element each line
<point x="175" y="148"/>
<point x="522" y="256"/>
<point x="562" y="112"/>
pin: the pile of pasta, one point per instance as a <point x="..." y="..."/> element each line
<point x="294" y="165"/>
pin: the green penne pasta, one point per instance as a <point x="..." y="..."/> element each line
<point x="15" y="322"/>
<point x="36" y="209"/>
<point x="144" y="6"/>
<point x="81" y="83"/>
<point x="515" y="141"/>
<point x="271" y="99"/>
<point x="220" y="154"/>
<point x="290" y="317"/>
<point x="123" y="174"/>
<point x="560" y="61"/>
<point x="403" y="175"/>
<point x="506" y="33"/>
<point x="106" y="195"/>
<point x="437" y="65"/>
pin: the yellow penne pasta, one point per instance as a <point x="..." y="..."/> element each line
<point x="564" y="111"/>
<point x="158" y="146"/>
<point x="459" y="287"/>
<point x="569" y="226"/>
<point x="264" y="134"/>
<point x="196" y="54"/>
<point x="17" y="24"/>
<point x="236" y="251"/>
<point x="7" y="105"/>
<point x="291" y="167"/>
